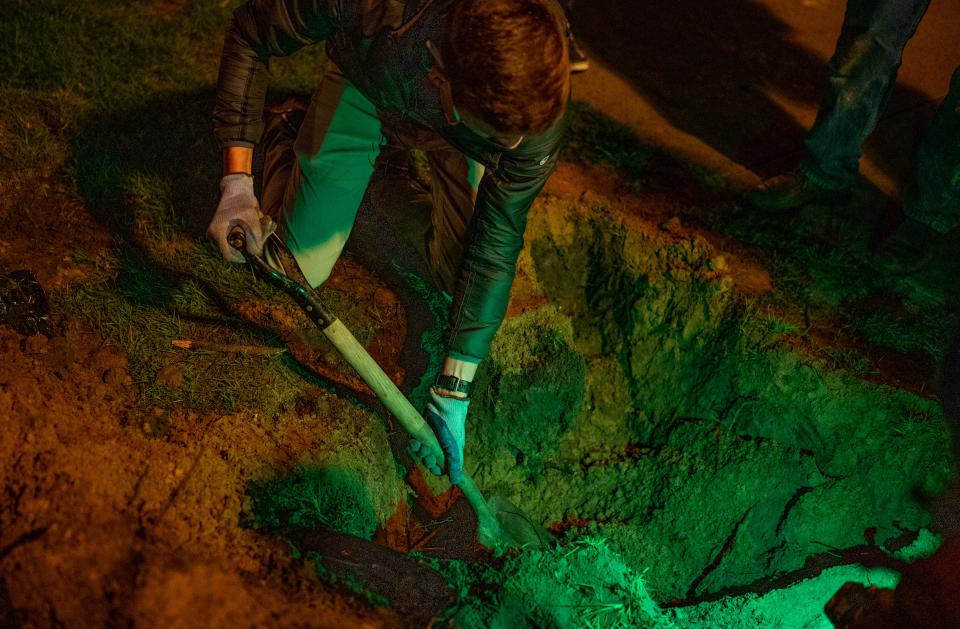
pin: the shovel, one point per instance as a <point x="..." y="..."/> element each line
<point x="499" y="523"/>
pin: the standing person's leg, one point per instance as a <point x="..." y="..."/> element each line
<point x="934" y="199"/>
<point x="323" y="185"/>
<point x="931" y="204"/>
<point x="863" y="71"/>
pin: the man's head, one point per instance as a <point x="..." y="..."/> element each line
<point x="508" y="66"/>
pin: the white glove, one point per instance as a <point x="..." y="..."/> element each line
<point x="238" y="206"/>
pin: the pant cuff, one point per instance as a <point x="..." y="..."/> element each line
<point x="829" y="181"/>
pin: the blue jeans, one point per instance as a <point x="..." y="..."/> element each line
<point x="862" y="73"/>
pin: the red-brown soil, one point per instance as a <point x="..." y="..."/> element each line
<point x="103" y="522"/>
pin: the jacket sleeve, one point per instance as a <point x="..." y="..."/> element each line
<point x="262" y="29"/>
<point x="493" y="243"/>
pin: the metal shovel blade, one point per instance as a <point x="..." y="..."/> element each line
<point x="517" y="530"/>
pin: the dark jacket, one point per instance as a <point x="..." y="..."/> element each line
<point x="380" y="46"/>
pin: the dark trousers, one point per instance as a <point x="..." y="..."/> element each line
<point x="862" y="73"/>
<point x="343" y="155"/>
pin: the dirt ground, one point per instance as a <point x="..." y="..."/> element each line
<point x="116" y="513"/>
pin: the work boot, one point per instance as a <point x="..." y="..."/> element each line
<point x="793" y="190"/>
<point x="578" y="58"/>
<point x="909" y="248"/>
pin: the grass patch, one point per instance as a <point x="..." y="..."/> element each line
<point x="102" y="50"/>
<point x="112" y="99"/>
<point x="594" y="138"/>
<point x="847" y="358"/>
<point x="34" y="129"/>
<point x="807" y="270"/>
<point x="159" y="285"/>
<point x="760" y="330"/>
<point x="900" y="334"/>
<point x="141" y="307"/>
<point x="333" y="497"/>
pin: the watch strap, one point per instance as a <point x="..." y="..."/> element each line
<point x="453" y="384"/>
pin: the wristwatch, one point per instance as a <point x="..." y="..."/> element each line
<point x="453" y="384"/>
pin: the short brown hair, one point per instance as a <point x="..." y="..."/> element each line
<point x="509" y="63"/>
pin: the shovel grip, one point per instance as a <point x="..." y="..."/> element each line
<point x="488" y="527"/>
<point x="382" y="386"/>
<point x="489" y="531"/>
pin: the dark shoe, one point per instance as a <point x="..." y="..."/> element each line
<point x="909" y="248"/>
<point x="793" y="190"/>
<point x="578" y="58"/>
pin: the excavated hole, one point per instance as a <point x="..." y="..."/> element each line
<point x="646" y="405"/>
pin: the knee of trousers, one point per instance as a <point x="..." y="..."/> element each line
<point x="316" y="260"/>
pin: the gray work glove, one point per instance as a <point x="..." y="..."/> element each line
<point x="238" y="206"/>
